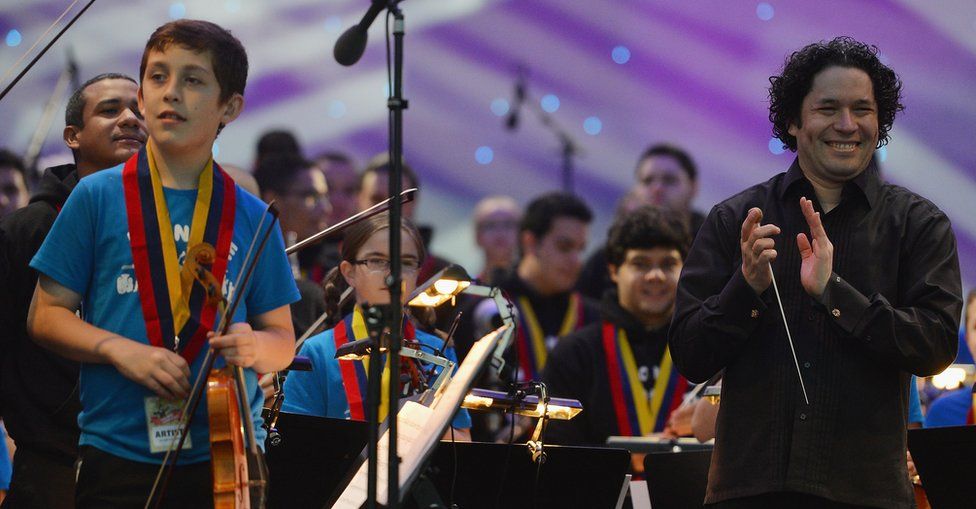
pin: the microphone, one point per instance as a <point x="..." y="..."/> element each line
<point x="351" y="44"/>
<point x="512" y="121"/>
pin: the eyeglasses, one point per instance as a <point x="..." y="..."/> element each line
<point x="408" y="265"/>
<point x="310" y="199"/>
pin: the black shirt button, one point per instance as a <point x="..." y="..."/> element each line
<point x="806" y="365"/>
<point x="803" y="417"/>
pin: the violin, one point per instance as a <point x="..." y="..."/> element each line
<point x="238" y="470"/>
<point x="228" y="454"/>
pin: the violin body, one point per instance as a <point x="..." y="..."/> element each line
<point x="228" y="455"/>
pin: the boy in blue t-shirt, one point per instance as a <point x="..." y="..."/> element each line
<point x="116" y="252"/>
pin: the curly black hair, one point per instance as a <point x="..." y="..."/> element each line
<point x="786" y="91"/>
<point x="646" y="228"/>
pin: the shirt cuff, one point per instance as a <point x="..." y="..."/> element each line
<point x="740" y="304"/>
<point x="844" y="303"/>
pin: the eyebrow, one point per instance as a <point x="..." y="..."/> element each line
<point x="830" y="101"/>
<point x="108" y="102"/>
<point x="189" y="67"/>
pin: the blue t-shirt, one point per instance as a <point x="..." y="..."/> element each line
<point x="321" y="393"/>
<point x="5" y="468"/>
<point x="950" y="409"/>
<point x="88" y="252"/>
<point x="915" y="404"/>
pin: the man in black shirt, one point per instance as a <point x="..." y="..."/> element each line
<point x="38" y="398"/>
<point x="620" y="367"/>
<point x="870" y="285"/>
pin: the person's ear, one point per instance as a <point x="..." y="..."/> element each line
<point x="613" y="270"/>
<point x="71" y="136"/>
<point x="142" y="103"/>
<point x="348" y="271"/>
<point x="232" y="109"/>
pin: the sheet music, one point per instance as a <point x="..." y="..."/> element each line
<point x="410" y="421"/>
<point x="421" y="427"/>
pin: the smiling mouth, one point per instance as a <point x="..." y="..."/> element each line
<point x="846" y="146"/>
<point x="130" y="139"/>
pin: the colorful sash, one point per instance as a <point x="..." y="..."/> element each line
<point x="971" y="414"/>
<point x="531" y="339"/>
<point x="354" y="378"/>
<point x="636" y="414"/>
<point x="174" y="320"/>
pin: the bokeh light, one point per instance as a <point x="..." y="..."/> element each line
<point x="549" y="103"/>
<point x="484" y="155"/>
<point x="776" y="146"/>
<point x="620" y="55"/>
<point x="177" y="10"/>
<point x="14" y="38"/>
<point x="499" y="107"/>
<point x="882" y="154"/>
<point x="592" y="126"/>
<point x="337" y="109"/>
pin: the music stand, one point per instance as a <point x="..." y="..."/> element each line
<point x="570" y="477"/>
<point x="677" y="479"/>
<point x="945" y="459"/>
<point x="313" y="459"/>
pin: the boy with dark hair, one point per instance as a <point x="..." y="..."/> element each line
<point x="38" y="397"/>
<point x="620" y="367"/>
<point x="143" y="337"/>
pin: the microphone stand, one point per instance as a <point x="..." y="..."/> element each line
<point x="348" y="49"/>
<point x="396" y="104"/>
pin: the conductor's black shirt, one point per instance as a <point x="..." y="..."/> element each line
<point x="890" y="309"/>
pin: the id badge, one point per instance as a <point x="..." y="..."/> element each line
<point x="163" y="423"/>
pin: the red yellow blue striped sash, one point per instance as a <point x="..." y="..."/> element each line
<point x="531" y="339"/>
<point x="971" y="414"/>
<point x="354" y="378"/>
<point x="638" y="415"/>
<point x="174" y="320"/>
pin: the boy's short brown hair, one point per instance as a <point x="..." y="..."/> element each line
<point x="227" y="54"/>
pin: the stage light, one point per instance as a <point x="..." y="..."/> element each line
<point x="14" y="38"/>
<point x="620" y="55"/>
<point x="592" y="126"/>
<point x="442" y="287"/>
<point x="500" y="107"/>
<point x="549" y="103"/>
<point x="177" y="10"/>
<point x="484" y="155"/>
<point x="776" y="146"/>
<point x="764" y="11"/>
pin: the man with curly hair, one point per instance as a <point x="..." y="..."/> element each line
<point x="868" y="276"/>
